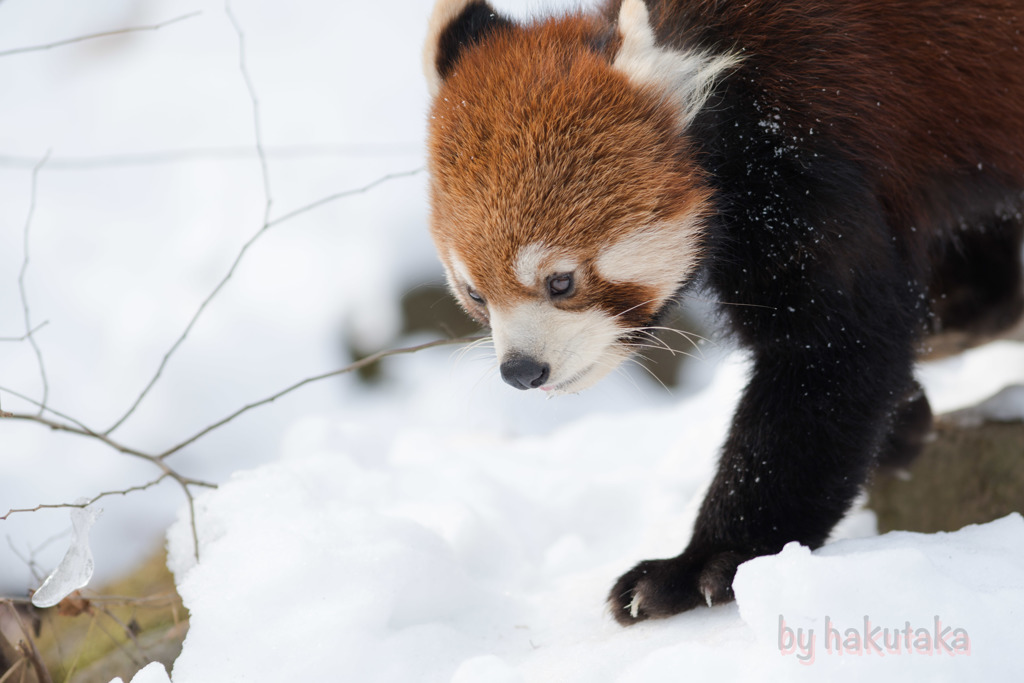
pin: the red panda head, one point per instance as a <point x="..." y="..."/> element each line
<point x="565" y="205"/>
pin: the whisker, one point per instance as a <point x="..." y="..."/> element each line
<point x="621" y="370"/>
<point x="633" y="308"/>
<point x="689" y="336"/>
<point x="674" y="352"/>
<point x="661" y="343"/>
<point x="461" y="352"/>
<point x="725" y="303"/>
<point x="486" y="374"/>
<point x="648" y="371"/>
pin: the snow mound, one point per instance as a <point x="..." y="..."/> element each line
<point x="1005" y="406"/>
<point x="903" y="606"/>
<point x="447" y="556"/>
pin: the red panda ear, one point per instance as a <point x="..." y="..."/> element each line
<point x="686" y="77"/>
<point x="454" y="26"/>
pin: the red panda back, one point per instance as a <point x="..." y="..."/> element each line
<point x="923" y="92"/>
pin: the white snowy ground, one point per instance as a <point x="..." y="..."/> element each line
<point x="382" y="548"/>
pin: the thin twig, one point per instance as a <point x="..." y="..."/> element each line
<point x="59" y="414"/>
<point x="341" y="195"/>
<point x="92" y="36"/>
<point x="27" y="334"/>
<point x="227" y="153"/>
<point x="257" y="125"/>
<point x="363" y="362"/>
<point x="21" y="282"/>
<point x="267" y="222"/>
<point x="99" y="496"/>
<point x="231" y="271"/>
<point x="119" y="645"/>
<point x="14" y="667"/>
<point x="30" y="649"/>
<point x="80" y="429"/>
<point x="156" y="460"/>
<point x="245" y="248"/>
<point x="29" y="561"/>
<point x="147" y="601"/>
<point x="76" y="427"/>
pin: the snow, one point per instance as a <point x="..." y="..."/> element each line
<point x="1006" y="405"/>
<point x="970" y="378"/>
<point x="432" y="552"/>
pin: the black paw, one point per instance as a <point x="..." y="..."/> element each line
<point x="661" y="588"/>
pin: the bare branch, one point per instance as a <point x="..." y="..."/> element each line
<point x="341" y="195"/>
<point x="155" y="601"/>
<point x="234" y="266"/>
<point x="99" y="496"/>
<point x="267" y="222"/>
<point x="128" y="633"/>
<point x="34" y="402"/>
<point x="78" y="428"/>
<point x="29" y="650"/>
<point x="9" y="676"/>
<point x="93" y="36"/>
<point x="228" y="153"/>
<point x="21" y="282"/>
<point x="245" y="247"/>
<point x="369" y="360"/>
<point x="65" y="423"/>
<point x="29" y="561"/>
<point x="73" y="426"/>
<point x="27" y="334"/>
<point x="257" y="125"/>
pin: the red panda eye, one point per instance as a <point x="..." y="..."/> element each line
<point x="561" y="285"/>
<point x="475" y="296"/>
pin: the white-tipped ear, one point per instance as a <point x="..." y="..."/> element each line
<point x="684" y="77"/>
<point x="445" y="12"/>
<point x="454" y="24"/>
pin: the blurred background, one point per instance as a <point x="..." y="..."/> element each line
<point x="150" y="188"/>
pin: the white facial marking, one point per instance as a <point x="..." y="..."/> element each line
<point x="579" y="346"/>
<point x="685" y="77"/>
<point x="529" y="261"/>
<point x="459" y="273"/>
<point x="535" y="261"/>
<point x="660" y="255"/>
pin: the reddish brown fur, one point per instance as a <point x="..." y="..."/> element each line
<point x="528" y="124"/>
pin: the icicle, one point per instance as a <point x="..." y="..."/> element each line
<point x="75" y="570"/>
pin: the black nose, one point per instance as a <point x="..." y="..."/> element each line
<point x="525" y="373"/>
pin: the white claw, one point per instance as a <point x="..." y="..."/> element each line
<point x="707" y="595"/>
<point x="634" y="606"/>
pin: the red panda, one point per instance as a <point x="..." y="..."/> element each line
<point x="849" y="173"/>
